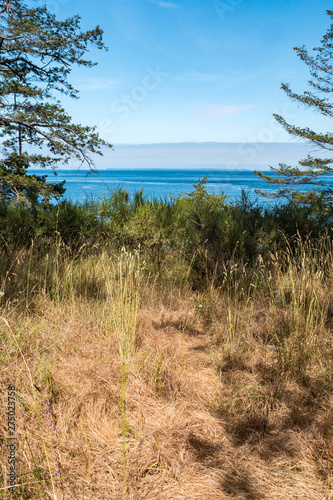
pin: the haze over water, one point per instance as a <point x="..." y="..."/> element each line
<point x="164" y="170"/>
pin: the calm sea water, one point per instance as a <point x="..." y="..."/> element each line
<point x="159" y="183"/>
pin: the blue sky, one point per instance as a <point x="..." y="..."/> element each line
<point x="194" y="71"/>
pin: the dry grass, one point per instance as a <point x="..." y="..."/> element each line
<point x="225" y="396"/>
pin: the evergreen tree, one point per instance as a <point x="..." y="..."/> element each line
<point x="37" y="53"/>
<point x="318" y="98"/>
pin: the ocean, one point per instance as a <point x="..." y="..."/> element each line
<point x="160" y="183"/>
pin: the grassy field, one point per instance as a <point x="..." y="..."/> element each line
<point x="136" y="381"/>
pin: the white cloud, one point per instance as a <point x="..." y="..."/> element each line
<point x="95" y="83"/>
<point x="167" y="5"/>
<point x="196" y="76"/>
<point x="205" y="113"/>
<point x="212" y="110"/>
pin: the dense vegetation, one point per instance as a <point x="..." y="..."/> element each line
<point x="37" y="55"/>
<point x="177" y="348"/>
<point x="212" y="321"/>
<point x="318" y="99"/>
<point x="197" y="229"/>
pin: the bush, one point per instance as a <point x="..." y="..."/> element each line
<point x="197" y="230"/>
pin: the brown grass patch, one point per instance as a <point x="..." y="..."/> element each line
<point x="212" y="412"/>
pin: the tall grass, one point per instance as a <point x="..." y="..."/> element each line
<point x="299" y="302"/>
<point x="294" y="284"/>
<point x="197" y="229"/>
<point x="123" y="279"/>
<point x="36" y="476"/>
<point x="106" y="256"/>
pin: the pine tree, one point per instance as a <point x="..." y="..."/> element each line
<point x="37" y="53"/>
<point x="318" y="98"/>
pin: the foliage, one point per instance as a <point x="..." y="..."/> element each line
<point x="199" y="227"/>
<point x="198" y="233"/>
<point x="17" y="186"/>
<point x="310" y="170"/>
<point x="37" y="53"/>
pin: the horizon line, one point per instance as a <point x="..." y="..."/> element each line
<point x="205" y="142"/>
